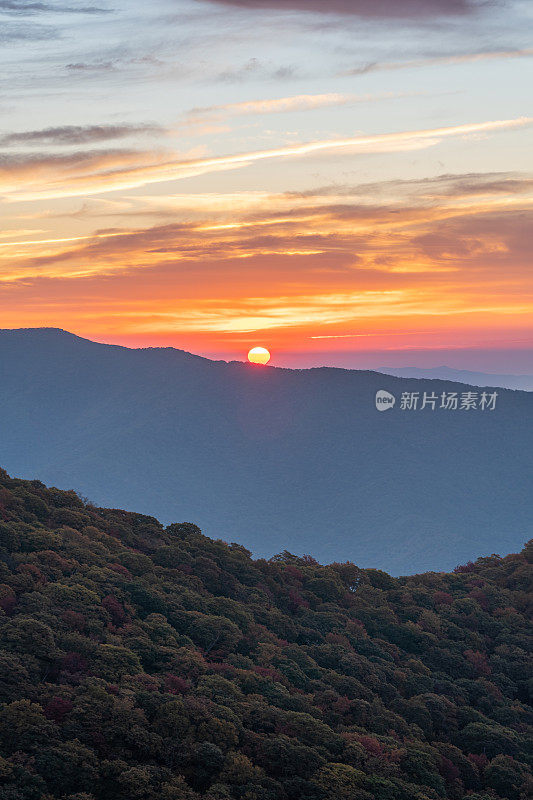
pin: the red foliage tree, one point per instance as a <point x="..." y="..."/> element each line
<point x="478" y="661"/>
<point x="57" y="709"/>
<point x="74" y="620"/>
<point x="115" y="610"/>
<point x="176" y="685"/>
<point x="74" y="662"/>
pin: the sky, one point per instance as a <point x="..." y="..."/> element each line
<point x="349" y="187"/>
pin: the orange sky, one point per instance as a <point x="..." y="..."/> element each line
<point x="424" y="264"/>
<point x="378" y="199"/>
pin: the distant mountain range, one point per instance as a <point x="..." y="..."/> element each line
<point x="524" y="382"/>
<point x="271" y="458"/>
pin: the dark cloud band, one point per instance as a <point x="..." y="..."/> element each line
<point x="24" y="8"/>
<point x="364" y="8"/>
<point x="75" y="134"/>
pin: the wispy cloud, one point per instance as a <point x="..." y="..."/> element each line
<point x="19" y="19"/>
<point x="364" y="8"/>
<point x="75" y="134"/>
<point x="279" y="105"/>
<point x="459" y="58"/>
<point x="19" y="32"/>
<point x="116" y="63"/>
<point x="451" y="253"/>
<point x="326" y="267"/>
<point x="96" y="171"/>
<point x="24" y="8"/>
<point x="255" y="69"/>
<point x="92" y="66"/>
<point x="353" y="230"/>
<point x="439" y="187"/>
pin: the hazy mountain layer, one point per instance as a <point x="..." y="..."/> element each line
<point x="523" y="382"/>
<point x="270" y="458"/>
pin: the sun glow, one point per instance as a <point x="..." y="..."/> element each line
<point x="258" y="355"/>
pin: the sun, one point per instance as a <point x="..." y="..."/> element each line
<point x="258" y="355"/>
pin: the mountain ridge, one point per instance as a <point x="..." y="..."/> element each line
<point x="505" y="381"/>
<point x="400" y="372"/>
<point x="271" y="457"/>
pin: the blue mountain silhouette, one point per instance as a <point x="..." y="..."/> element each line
<point x="271" y="458"/>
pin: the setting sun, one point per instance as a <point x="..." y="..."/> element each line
<point x="258" y="355"/>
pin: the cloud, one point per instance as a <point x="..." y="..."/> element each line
<point x="310" y="264"/>
<point x="78" y="174"/>
<point x="75" y="134"/>
<point x="439" y="187"/>
<point x="115" y="64"/>
<point x="62" y="170"/>
<point x="385" y="9"/>
<point x="302" y="102"/>
<point x="459" y="58"/>
<point x="24" y="8"/>
<point x="254" y="68"/>
<point x="95" y="66"/>
<point x="321" y="221"/>
<point x="27" y="33"/>
<point x="474" y="185"/>
<point x="393" y="258"/>
<point x="15" y="30"/>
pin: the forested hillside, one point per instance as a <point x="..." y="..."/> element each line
<point x="141" y="662"/>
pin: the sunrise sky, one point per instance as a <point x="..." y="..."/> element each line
<point x="351" y="187"/>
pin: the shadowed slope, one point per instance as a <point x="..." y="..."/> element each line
<point x="271" y="458"/>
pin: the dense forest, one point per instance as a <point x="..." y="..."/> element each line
<point x="141" y="662"/>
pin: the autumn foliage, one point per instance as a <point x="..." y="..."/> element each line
<point x="141" y="662"/>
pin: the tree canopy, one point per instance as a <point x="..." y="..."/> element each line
<point x="144" y="662"/>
